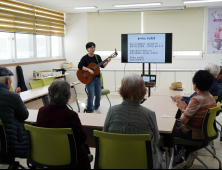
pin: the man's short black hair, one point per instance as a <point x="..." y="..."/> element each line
<point x="90" y="44"/>
<point x="203" y="80"/>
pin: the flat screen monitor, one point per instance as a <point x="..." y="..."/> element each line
<point x="147" y="48"/>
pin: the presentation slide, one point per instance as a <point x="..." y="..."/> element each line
<point x="146" y="78"/>
<point x="146" y="48"/>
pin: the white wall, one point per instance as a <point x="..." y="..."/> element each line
<point x="28" y="71"/>
<point x="76" y="39"/>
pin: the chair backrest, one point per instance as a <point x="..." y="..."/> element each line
<point x="216" y="97"/>
<point x="122" y="151"/>
<point x="36" y="84"/>
<point x="3" y="141"/>
<point x="51" y="148"/>
<point x="48" y="81"/>
<point x="210" y="131"/>
<point x="101" y="76"/>
<point x="11" y="89"/>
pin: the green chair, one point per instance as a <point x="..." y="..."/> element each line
<point x="104" y="92"/>
<point x="51" y="148"/>
<point x="218" y="113"/>
<point x="36" y="84"/>
<point x="216" y="97"/>
<point x="121" y="151"/>
<point x="48" y="81"/>
<point x="11" y="89"/>
<point x="210" y="133"/>
<point x="3" y="150"/>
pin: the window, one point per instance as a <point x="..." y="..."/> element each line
<point x="43" y="46"/>
<point x="56" y="46"/>
<point x="19" y="46"/>
<point x="6" y="46"/>
<point x="24" y="46"/>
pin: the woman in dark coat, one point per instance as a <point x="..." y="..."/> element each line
<point x="58" y="115"/>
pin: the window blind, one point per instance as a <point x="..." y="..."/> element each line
<point x="21" y="17"/>
<point x="16" y="16"/>
<point x="49" y="22"/>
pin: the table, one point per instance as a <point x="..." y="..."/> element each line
<point x="165" y="91"/>
<point x="40" y="78"/>
<point x="42" y="92"/>
<point x="160" y="104"/>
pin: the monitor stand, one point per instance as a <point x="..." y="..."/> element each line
<point x="149" y="88"/>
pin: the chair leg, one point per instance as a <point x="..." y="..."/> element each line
<point x="215" y="157"/>
<point x="109" y="100"/>
<point x="199" y="160"/>
<point x="213" y="147"/>
<point x="220" y="130"/>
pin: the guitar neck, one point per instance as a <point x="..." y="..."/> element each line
<point x="100" y="64"/>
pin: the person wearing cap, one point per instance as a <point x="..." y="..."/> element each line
<point x="13" y="113"/>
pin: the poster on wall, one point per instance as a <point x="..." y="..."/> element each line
<point x="214" y="40"/>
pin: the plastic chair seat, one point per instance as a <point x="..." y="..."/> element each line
<point x="105" y="92"/>
<point x="180" y="141"/>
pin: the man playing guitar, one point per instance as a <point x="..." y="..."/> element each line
<point x="94" y="87"/>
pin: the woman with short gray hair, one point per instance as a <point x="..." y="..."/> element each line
<point x="58" y="115"/>
<point x="131" y="118"/>
<point x="59" y="93"/>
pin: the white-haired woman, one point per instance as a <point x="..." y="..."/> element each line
<point x="58" y="115"/>
<point x="214" y="90"/>
<point x="132" y="118"/>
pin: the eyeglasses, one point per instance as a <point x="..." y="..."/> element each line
<point x="92" y="48"/>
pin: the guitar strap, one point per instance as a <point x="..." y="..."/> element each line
<point x="97" y="59"/>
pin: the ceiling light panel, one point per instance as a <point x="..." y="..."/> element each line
<point x="137" y="5"/>
<point x="87" y="7"/>
<point x="204" y="1"/>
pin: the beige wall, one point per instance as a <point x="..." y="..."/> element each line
<point x="105" y="29"/>
<point x="187" y="27"/>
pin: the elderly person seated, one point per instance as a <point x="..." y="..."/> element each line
<point x="131" y="118"/>
<point x="13" y="112"/>
<point x="214" y="89"/>
<point x="58" y="115"/>
<point x="193" y="114"/>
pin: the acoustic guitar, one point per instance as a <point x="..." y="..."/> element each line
<point x="85" y="77"/>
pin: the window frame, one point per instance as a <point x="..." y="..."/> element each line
<point x="35" y="58"/>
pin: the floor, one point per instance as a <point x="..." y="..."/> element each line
<point x="115" y="99"/>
